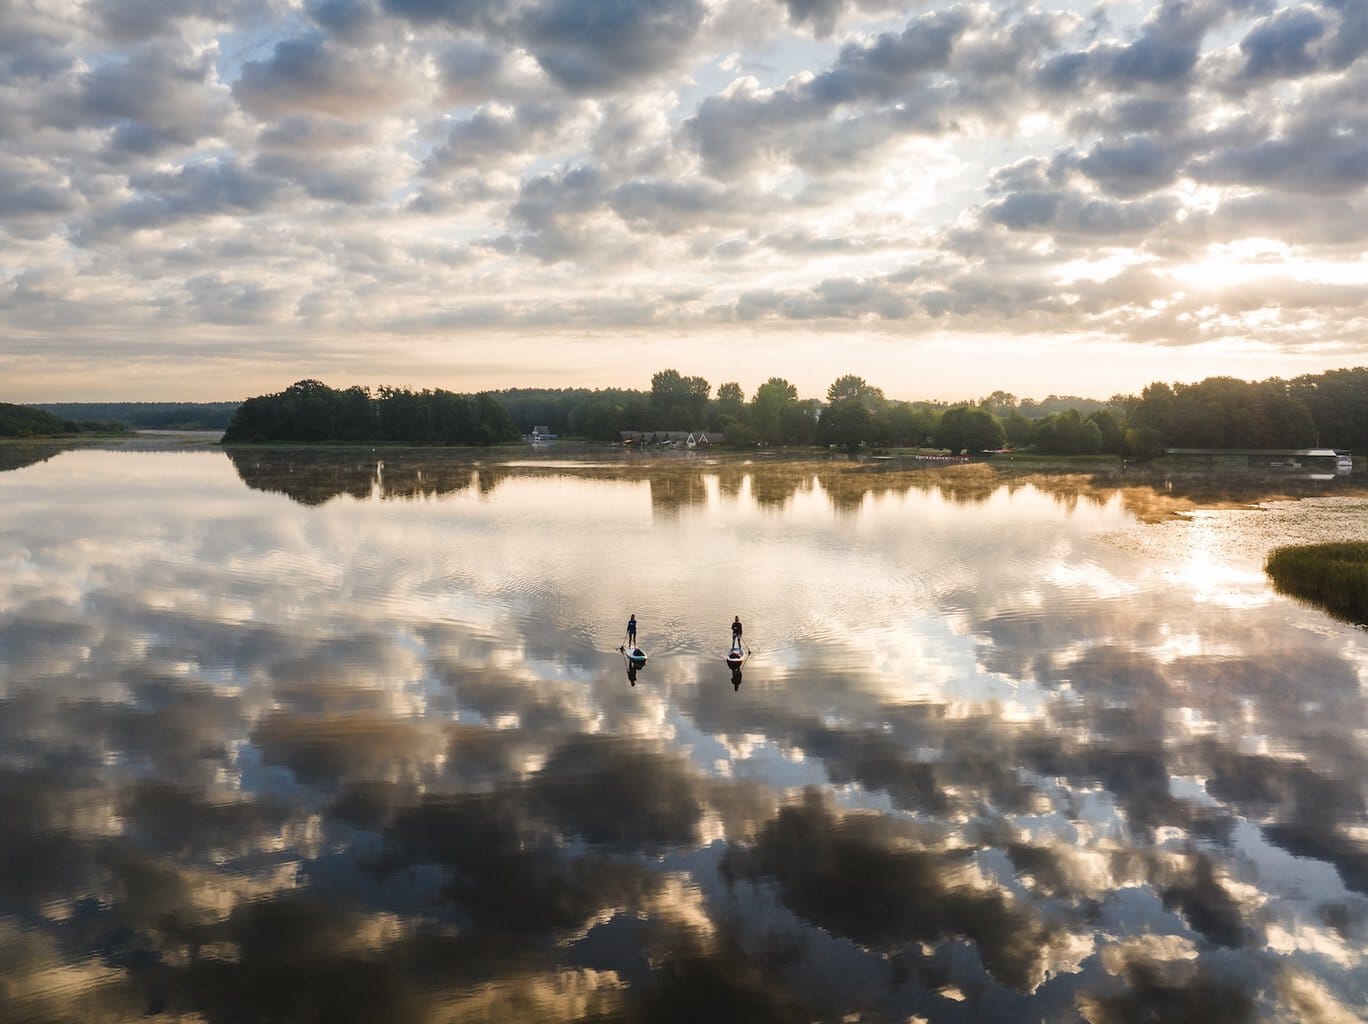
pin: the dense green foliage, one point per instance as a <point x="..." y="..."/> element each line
<point x="965" y="428"/>
<point x="149" y="415"/>
<point x="1338" y="403"/>
<point x="1222" y="412"/>
<point x="311" y="411"/>
<point x="1332" y="576"/>
<point x="1327" y="410"/>
<point x="30" y="421"/>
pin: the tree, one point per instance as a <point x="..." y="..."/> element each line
<point x="845" y="423"/>
<point x="679" y="402"/>
<point x="853" y="387"/>
<point x="1018" y="429"/>
<point x="729" y="407"/>
<point x="1000" y="403"/>
<point x="1066" y="433"/>
<point x="1113" y="437"/>
<point x="1338" y="403"/>
<point x="965" y="428"/>
<point x="771" y="399"/>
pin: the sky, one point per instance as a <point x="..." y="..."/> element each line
<point x="210" y="199"/>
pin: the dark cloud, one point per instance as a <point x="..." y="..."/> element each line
<point x="473" y="72"/>
<point x="130" y="20"/>
<point x="1069" y="212"/>
<point x="882" y="70"/>
<point x="315" y="134"/>
<point x="1321" y="155"/>
<point x="744" y="127"/>
<point x="1282" y="46"/>
<point x="1163" y="56"/>
<point x="492" y="136"/>
<point x="590" y="46"/>
<point x="1350" y="41"/>
<point x="1136" y="165"/>
<point x="347" y="19"/>
<point x="33" y="202"/>
<point x="307" y="74"/>
<point x="819" y="15"/>
<point x="1126" y="115"/>
<point x="552" y="207"/>
<point x="673" y="206"/>
<point x="152" y="100"/>
<point x="457" y="13"/>
<point x="831" y="299"/>
<point x="34" y="44"/>
<point x="194" y="191"/>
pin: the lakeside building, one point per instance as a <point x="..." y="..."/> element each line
<point x="1314" y="460"/>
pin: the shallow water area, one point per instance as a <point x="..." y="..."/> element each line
<point x="348" y="735"/>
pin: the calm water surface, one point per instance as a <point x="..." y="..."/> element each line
<point x="347" y="737"/>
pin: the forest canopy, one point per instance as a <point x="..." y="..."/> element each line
<point x="29" y="421"/>
<point x="310" y="411"/>
<point x="1328" y="410"/>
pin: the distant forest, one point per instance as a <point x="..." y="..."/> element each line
<point x="311" y="411"/>
<point x="149" y="415"/>
<point x="29" y="421"/>
<point x="1327" y="410"/>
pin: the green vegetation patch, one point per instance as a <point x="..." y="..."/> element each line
<point x="26" y="421"/>
<point x="1332" y="576"/>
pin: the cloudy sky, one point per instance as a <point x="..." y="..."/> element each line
<point x="208" y="199"/>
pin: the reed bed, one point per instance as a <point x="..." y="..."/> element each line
<point x="1332" y="576"/>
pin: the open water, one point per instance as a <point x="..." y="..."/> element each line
<point x="347" y="736"/>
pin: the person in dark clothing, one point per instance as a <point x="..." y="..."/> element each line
<point x="736" y="633"/>
<point x="631" y="630"/>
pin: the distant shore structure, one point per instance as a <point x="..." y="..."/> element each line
<point x="1322" y="460"/>
<point x="672" y="438"/>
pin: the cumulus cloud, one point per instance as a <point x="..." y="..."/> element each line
<point x="604" y="44"/>
<point x="777" y="155"/>
<point x="308" y="74"/>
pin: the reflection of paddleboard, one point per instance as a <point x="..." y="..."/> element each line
<point x="636" y="657"/>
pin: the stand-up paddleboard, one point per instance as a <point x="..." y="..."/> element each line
<point x="735" y="658"/>
<point x="636" y="657"/>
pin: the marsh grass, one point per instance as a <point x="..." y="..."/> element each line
<point x="1332" y="576"/>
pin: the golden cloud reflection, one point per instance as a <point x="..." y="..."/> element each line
<point x="357" y="739"/>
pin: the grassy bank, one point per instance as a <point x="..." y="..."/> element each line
<point x="1331" y="576"/>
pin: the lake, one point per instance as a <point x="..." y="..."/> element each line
<point x="348" y="736"/>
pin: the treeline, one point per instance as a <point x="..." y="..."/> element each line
<point x="29" y="421"/>
<point x="773" y="415"/>
<point x="311" y="411"/>
<point x="149" y="415"/>
<point x="1326" y="410"/>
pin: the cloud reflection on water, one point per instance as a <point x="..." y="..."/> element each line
<point x="369" y="751"/>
